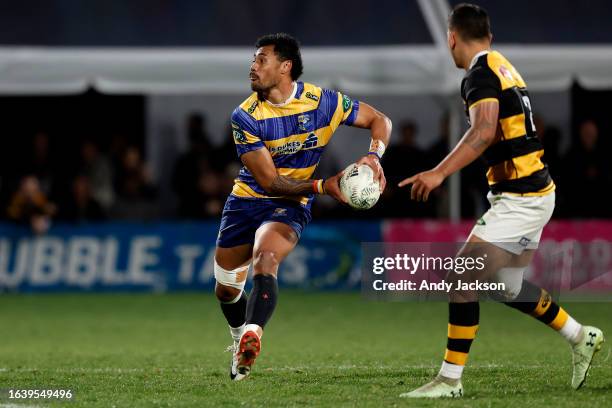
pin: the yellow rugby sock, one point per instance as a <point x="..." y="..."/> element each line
<point x="538" y="303"/>
<point x="463" y="321"/>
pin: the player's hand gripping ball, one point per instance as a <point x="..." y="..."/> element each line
<point x="359" y="187"/>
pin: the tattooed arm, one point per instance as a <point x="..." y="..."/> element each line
<point x="474" y="142"/>
<point x="260" y="164"/>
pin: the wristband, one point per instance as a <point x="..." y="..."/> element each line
<point x="317" y="186"/>
<point x="377" y="148"/>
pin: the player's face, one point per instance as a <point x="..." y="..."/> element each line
<point x="265" y="69"/>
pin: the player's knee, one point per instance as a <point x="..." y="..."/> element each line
<point x="229" y="282"/>
<point x="226" y="293"/>
<point x="265" y="263"/>
<point x="512" y="280"/>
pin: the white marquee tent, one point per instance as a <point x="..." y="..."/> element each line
<point x="423" y="69"/>
<point x="364" y="70"/>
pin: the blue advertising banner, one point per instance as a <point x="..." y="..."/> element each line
<point x="166" y="257"/>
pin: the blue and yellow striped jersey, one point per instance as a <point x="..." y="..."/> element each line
<point x="295" y="133"/>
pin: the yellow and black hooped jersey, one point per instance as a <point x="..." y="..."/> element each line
<point x="294" y="133"/>
<point x="514" y="159"/>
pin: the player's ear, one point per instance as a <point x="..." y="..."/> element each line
<point x="452" y="40"/>
<point x="286" y="66"/>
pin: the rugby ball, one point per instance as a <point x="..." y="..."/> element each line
<point x="358" y="186"/>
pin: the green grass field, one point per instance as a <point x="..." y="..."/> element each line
<point x="318" y="350"/>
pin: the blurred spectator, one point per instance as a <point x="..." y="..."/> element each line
<point x="29" y="205"/>
<point x="209" y="201"/>
<point x="474" y="189"/>
<point x="196" y="130"/>
<point x="39" y="162"/>
<point x="136" y="193"/>
<point x="225" y="161"/>
<point x="81" y="206"/>
<point x="587" y="175"/>
<point x="550" y="137"/>
<point x="434" y="155"/>
<point x="441" y="147"/>
<point x="118" y="145"/>
<point x="134" y="179"/>
<point x="225" y="155"/>
<point x="474" y="186"/>
<point x="191" y="168"/>
<point x="551" y="140"/>
<point x="402" y="160"/>
<point x="99" y="173"/>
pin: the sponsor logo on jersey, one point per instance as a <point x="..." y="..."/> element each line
<point x="311" y="141"/>
<point x="239" y="135"/>
<point x="287" y="148"/>
<point x="279" y="212"/>
<point x="312" y="96"/>
<point x="253" y="107"/>
<point x="506" y="73"/>
<point x="524" y="241"/>
<point x="346" y="103"/>
<point x="293" y="147"/>
<point x="304" y="122"/>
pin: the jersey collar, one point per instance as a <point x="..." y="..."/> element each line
<point x="289" y="99"/>
<point x="480" y="54"/>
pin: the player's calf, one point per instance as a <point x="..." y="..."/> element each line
<point x="538" y="303"/>
<point x="263" y="298"/>
<point x="260" y="306"/>
<point x="262" y="301"/>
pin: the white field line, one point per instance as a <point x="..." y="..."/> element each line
<point x="119" y="370"/>
<point x="18" y="406"/>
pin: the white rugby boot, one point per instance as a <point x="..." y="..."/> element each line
<point x="234" y="374"/>
<point x="583" y="353"/>
<point x="437" y="388"/>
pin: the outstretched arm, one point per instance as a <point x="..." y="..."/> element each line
<point x="380" y="130"/>
<point x="483" y="117"/>
<point x="475" y="141"/>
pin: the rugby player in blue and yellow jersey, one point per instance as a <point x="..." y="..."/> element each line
<point x="280" y="132"/>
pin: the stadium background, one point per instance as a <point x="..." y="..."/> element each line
<point x="115" y="160"/>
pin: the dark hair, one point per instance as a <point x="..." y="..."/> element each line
<point x="470" y="21"/>
<point x="286" y="48"/>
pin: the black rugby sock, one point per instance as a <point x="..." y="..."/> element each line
<point x="262" y="300"/>
<point x="538" y="303"/>
<point x="463" y="319"/>
<point x="235" y="313"/>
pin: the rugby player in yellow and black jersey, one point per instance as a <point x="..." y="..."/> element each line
<point x="280" y="132"/>
<point x="522" y="197"/>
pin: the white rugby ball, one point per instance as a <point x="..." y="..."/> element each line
<point x="359" y="187"/>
